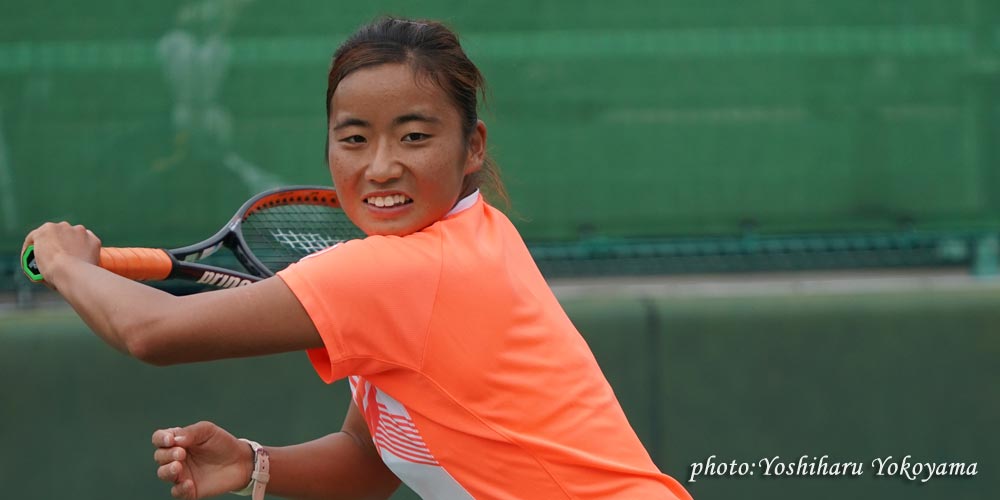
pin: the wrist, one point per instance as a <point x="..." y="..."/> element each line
<point x="259" y="469"/>
<point x="56" y="266"/>
<point x="246" y="462"/>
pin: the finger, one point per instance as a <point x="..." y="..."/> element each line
<point x="184" y="490"/>
<point x="195" y="433"/>
<point x="83" y="230"/>
<point x="28" y="241"/>
<point x="164" y="438"/>
<point x="170" y="472"/>
<point x="34" y="234"/>
<point x="164" y="456"/>
<point x="94" y="237"/>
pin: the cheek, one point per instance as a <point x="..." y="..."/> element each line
<point x="449" y="166"/>
<point x="443" y="175"/>
<point x="340" y="172"/>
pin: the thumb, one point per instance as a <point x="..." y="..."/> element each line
<point x="195" y="433"/>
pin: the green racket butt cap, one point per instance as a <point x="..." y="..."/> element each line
<point x="29" y="266"/>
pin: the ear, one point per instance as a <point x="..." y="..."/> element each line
<point x="476" y="149"/>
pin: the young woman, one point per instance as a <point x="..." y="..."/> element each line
<point x="468" y="379"/>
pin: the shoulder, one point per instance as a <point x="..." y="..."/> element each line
<point x="361" y="249"/>
<point x="372" y="259"/>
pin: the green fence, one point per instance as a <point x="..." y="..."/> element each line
<point x="856" y="376"/>
<point x="633" y="120"/>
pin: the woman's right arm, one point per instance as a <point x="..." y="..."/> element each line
<point x="343" y="465"/>
<point x="159" y="328"/>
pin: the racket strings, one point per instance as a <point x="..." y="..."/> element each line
<point x="281" y="235"/>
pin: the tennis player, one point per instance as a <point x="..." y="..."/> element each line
<point x="468" y="379"/>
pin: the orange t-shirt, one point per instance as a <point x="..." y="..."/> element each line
<point x="473" y="381"/>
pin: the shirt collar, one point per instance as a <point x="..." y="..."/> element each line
<point x="464" y="203"/>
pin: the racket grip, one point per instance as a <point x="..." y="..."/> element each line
<point x="139" y="264"/>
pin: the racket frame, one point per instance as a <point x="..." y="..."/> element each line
<point x="184" y="260"/>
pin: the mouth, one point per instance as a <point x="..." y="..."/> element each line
<point x="388" y="201"/>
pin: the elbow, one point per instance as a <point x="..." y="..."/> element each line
<point x="147" y="351"/>
<point x="145" y="340"/>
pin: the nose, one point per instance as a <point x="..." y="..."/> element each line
<point x="384" y="166"/>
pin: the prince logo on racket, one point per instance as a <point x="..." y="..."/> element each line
<point x="221" y="280"/>
<point x="461" y="362"/>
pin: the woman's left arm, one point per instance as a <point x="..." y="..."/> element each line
<point x="159" y="328"/>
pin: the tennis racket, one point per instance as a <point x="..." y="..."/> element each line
<point x="269" y="232"/>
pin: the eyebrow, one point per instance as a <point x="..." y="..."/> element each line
<point x="414" y="117"/>
<point x="351" y="122"/>
<point x="399" y="120"/>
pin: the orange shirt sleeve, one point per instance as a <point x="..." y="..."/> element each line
<point x="371" y="301"/>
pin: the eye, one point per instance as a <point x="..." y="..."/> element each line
<point x="354" y="139"/>
<point x="415" y="137"/>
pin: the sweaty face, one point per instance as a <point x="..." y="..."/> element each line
<point x="397" y="152"/>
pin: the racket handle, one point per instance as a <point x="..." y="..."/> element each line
<point x="138" y="264"/>
<point x="29" y="266"/>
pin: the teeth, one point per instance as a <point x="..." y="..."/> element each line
<point x="387" y="201"/>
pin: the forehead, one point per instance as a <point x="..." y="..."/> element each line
<point x="388" y="88"/>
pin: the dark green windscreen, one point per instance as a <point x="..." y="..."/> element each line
<point x="151" y="124"/>
<point x="855" y="376"/>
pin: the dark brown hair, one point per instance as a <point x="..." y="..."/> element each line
<point x="433" y="51"/>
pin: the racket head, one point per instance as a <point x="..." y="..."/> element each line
<point x="277" y="228"/>
<point x="269" y="232"/>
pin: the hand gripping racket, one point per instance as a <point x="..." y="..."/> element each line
<point x="269" y="232"/>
